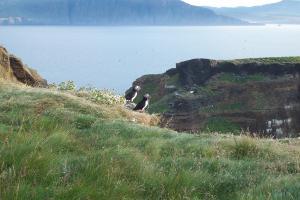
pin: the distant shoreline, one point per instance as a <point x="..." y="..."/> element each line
<point x="166" y="25"/>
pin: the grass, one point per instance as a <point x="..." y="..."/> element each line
<point x="207" y="90"/>
<point x="162" y="105"/>
<point x="224" y="107"/>
<point x="260" y="100"/>
<point x="271" y="60"/>
<point x="234" y="78"/>
<point x="233" y="106"/>
<point x="174" y="80"/>
<point x="56" y="145"/>
<point x="221" y="125"/>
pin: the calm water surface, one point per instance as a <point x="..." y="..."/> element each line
<point x="113" y="57"/>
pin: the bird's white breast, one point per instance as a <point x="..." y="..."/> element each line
<point x="146" y="104"/>
<point x="134" y="96"/>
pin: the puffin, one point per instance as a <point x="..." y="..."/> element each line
<point x="143" y="104"/>
<point x="130" y="96"/>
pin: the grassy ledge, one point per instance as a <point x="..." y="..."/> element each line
<point x="269" y="60"/>
<point x="60" y="145"/>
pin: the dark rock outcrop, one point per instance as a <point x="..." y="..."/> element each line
<point x="12" y="69"/>
<point x="260" y="96"/>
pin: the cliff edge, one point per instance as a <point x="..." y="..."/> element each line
<point x="260" y="96"/>
<point x="12" y="69"/>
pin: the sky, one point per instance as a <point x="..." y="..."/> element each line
<point x="230" y="3"/>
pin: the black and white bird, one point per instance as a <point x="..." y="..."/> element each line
<point x="144" y="104"/>
<point x="130" y="96"/>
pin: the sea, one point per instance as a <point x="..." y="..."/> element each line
<point x="113" y="57"/>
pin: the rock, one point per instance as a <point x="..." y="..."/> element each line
<point x="26" y="75"/>
<point x="256" y="95"/>
<point x="5" y="69"/>
<point x="130" y="105"/>
<point x="12" y="69"/>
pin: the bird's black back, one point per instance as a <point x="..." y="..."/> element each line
<point x="130" y="94"/>
<point x="141" y="104"/>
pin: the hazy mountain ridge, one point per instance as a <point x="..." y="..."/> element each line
<point x="109" y="12"/>
<point x="284" y="12"/>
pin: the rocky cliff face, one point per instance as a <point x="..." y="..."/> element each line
<point x="260" y="96"/>
<point x="12" y="69"/>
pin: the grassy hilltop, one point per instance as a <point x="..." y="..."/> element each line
<point x="67" y="145"/>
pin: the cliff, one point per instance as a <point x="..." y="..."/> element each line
<point x="260" y="96"/>
<point x="12" y="69"/>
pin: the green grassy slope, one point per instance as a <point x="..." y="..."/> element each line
<point x="55" y="145"/>
<point x="269" y="60"/>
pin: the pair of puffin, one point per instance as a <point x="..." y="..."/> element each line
<point x="143" y="104"/>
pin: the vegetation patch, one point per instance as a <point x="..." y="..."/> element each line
<point x="90" y="93"/>
<point x="260" y="100"/>
<point x="221" y="125"/>
<point x="84" y="121"/>
<point x="245" y="148"/>
<point x="223" y="107"/>
<point x="162" y="105"/>
<point x="75" y="148"/>
<point x="232" y="106"/>
<point x="271" y="60"/>
<point x="173" y="80"/>
<point x="241" y="79"/>
<point x="207" y="90"/>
